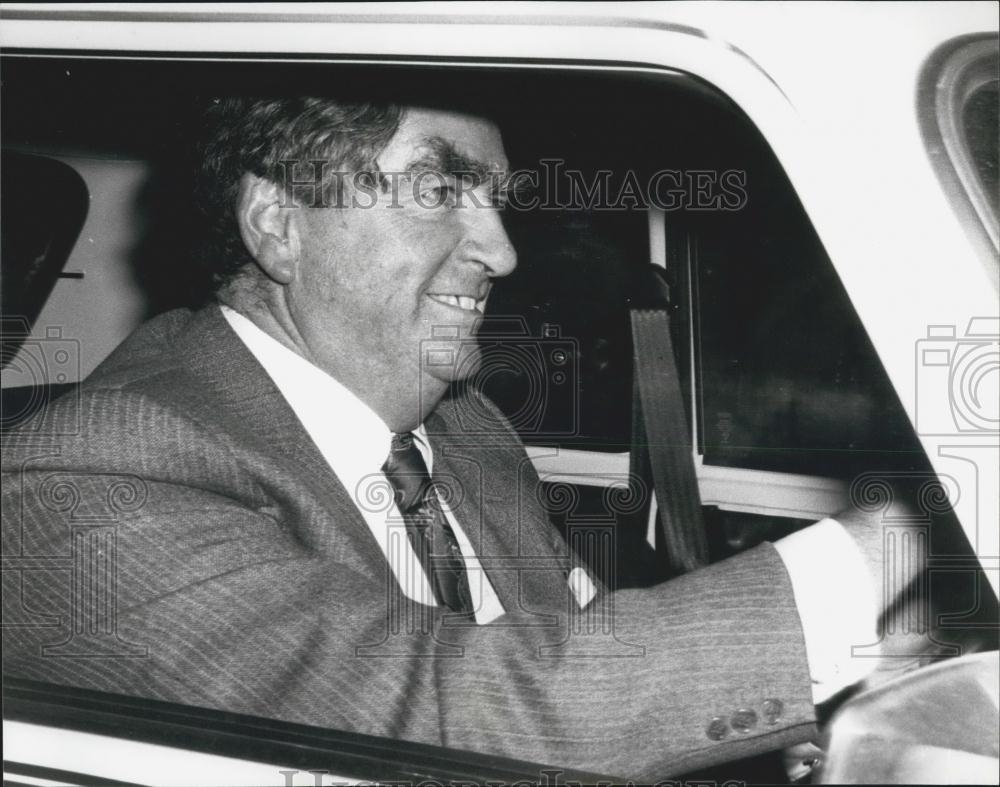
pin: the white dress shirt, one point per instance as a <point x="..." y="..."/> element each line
<point x="833" y="591"/>
<point x="836" y="599"/>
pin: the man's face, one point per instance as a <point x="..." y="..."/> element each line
<point x="376" y="283"/>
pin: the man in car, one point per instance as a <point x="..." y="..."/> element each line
<point x="263" y="465"/>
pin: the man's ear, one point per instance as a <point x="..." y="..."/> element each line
<point x="265" y="227"/>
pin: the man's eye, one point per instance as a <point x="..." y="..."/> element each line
<point x="437" y="195"/>
<point x="434" y="190"/>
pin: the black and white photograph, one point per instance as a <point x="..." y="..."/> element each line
<point x="477" y="393"/>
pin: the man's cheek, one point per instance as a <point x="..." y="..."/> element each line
<point x="430" y="238"/>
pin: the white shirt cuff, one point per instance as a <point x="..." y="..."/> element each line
<point x="837" y="604"/>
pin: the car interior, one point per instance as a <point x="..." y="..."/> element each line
<point x="782" y="389"/>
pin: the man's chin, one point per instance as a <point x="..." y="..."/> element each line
<point x="452" y="362"/>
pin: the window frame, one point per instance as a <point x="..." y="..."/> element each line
<point x="951" y="74"/>
<point x="724" y="482"/>
<point x="53" y="706"/>
<point x="210" y="742"/>
<point x="348" y="753"/>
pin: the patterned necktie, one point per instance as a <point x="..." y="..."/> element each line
<point x="426" y="526"/>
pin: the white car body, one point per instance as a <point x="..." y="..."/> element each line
<point x="832" y="87"/>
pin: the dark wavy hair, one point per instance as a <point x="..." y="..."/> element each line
<point x="260" y="135"/>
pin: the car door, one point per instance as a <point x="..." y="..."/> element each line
<point x="787" y="399"/>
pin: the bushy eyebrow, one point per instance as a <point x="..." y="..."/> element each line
<point x="441" y="155"/>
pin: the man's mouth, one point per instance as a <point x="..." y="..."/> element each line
<point x="463" y="302"/>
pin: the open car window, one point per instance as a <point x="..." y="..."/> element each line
<point x="626" y="171"/>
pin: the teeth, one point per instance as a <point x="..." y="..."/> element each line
<point x="460" y="302"/>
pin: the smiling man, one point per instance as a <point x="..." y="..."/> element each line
<point x="310" y="535"/>
<point x="356" y="290"/>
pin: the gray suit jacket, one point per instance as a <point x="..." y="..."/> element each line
<point x="176" y="512"/>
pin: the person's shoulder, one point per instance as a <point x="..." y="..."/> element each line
<point x="143" y="400"/>
<point x="157" y="351"/>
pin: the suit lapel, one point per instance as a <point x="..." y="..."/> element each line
<point x="245" y="398"/>
<point x="522" y="553"/>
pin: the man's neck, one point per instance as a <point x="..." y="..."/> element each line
<point x="402" y="405"/>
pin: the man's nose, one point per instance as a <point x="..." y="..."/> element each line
<point x="488" y="242"/>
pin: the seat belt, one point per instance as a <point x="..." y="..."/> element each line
<point x="661" y="441"/>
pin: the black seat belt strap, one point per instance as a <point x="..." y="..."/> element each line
<point x="660" y="432"/>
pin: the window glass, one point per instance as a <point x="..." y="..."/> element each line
<point x="602" y="153"/>
<point x="562" y="369"/>
<point x="786" y="376"/>
<point x="980" y="122"/>
<point x="44" y="203"/>
<point x="788" y="379"/>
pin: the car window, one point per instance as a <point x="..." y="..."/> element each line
<point x="787" y="378"/>
<point x="572" y="289"/>
<point x="778" y="368"/>
<point x="784" y="377"/>
<point x="44" y="203"/>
